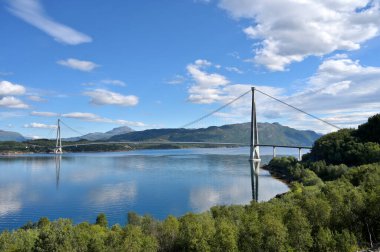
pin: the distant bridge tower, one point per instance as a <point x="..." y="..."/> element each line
<point x="255" y="151"/>
<point x="58" y="144"/>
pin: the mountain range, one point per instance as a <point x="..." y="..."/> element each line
<point x="269" y="133"/>
<point x="97" y="136"/>
<point x="11" y="136"/>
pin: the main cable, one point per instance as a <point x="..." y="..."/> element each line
<point x="76" y="131"/>
<point x="216" y="110"/>
<point x="300" y="110"/>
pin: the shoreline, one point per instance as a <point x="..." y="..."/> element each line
<point x="278" y="175"/>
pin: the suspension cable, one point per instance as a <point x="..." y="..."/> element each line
<point x="216" y="110"/>
<point x="74" y="130"/>
<point x="300" y="110"/>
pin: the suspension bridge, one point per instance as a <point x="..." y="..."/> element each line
<point x="254" y="131"/>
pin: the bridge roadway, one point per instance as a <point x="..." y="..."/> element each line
<point x="206" y="143"/>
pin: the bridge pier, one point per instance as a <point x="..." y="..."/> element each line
<point x="299" y="154"/>
<point x="274" y="151"/>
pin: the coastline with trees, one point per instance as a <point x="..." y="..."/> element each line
<point x="333" y="205"/>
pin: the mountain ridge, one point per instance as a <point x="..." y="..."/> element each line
<point x="269" y="133"/>
<point x="11" y="136"/>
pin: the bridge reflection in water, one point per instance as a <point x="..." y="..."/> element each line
<point x="255" y="170"/>
<point x="58" y="159"/>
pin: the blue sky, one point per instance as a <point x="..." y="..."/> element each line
<point x="147" y="64"/>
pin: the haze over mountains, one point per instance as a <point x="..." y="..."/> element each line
<point x="269" y="133"/>
<point x="11" y="136"/>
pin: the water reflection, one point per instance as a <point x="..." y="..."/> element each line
<point x="255" y="170"/>
<point x="58" y="159"/>
<point x="156" y="182"/>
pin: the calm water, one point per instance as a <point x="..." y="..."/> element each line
<point x="156" y="182"/>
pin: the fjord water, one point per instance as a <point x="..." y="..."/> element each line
<point x="156" y="182"/>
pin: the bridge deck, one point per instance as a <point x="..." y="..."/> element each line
<point x="191" y="143"/>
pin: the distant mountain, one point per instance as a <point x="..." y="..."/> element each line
<point x="269" y="133"/>
<point x="11" y="136"/>
<point x="102" y="136"/>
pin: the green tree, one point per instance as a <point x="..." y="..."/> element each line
<point x="168" y="235"/>
<point x="324" y="241"/>
<point x="370" y="131"/>
<point x="101" y="220"/>
<point x="226" y="236"/>
<point x="274" y="233"/>
<point x="136" y="241"/>
<point x="299" y="230"/>
<point x="197" y="232"/>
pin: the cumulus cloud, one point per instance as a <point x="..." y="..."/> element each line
<point x="209" y="88"/>
<point x="32" y="12"/>
<point x="82" y="65"/>
<point x="39" y="126"/>
<point x="342" y="91"/>
<point x="339" y="89"/>
<point x="12" y="102"/>
<point x="289" y="31"/>
<point x="8" y="88"/>
<point x="41" y="113"/>
<point x="105" y="97"/>
<point x="205" y="88"/>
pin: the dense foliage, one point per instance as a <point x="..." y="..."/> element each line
<point x="349" y="146"/>
<point x="370" y="131"/>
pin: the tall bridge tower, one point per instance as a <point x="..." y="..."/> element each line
<point x="58" y="144"/>
<point x="254" y="150"/>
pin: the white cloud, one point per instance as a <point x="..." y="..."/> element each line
<point x="36" y="98"/>
<point x="32" y="12"/>
<point x="130" y="123"/>
<point x="12" y="102"/>
<point x="105" y="97"/>
<point x="90" y="117"/>
<point x="114" y="82"/>
<point x="206" y="87"/>
<point x="82" y="65"/>
<point x="8" y="88"/>
<point x="47" y="114"/>
<point x="289" y="31"/>
<point x="234" y="69"/>
<point x="177" y="79"/>
<point x="82" y="116"/>
<point x="39" y="126"/>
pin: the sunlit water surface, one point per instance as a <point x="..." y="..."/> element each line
<point x="155" y="182"/>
